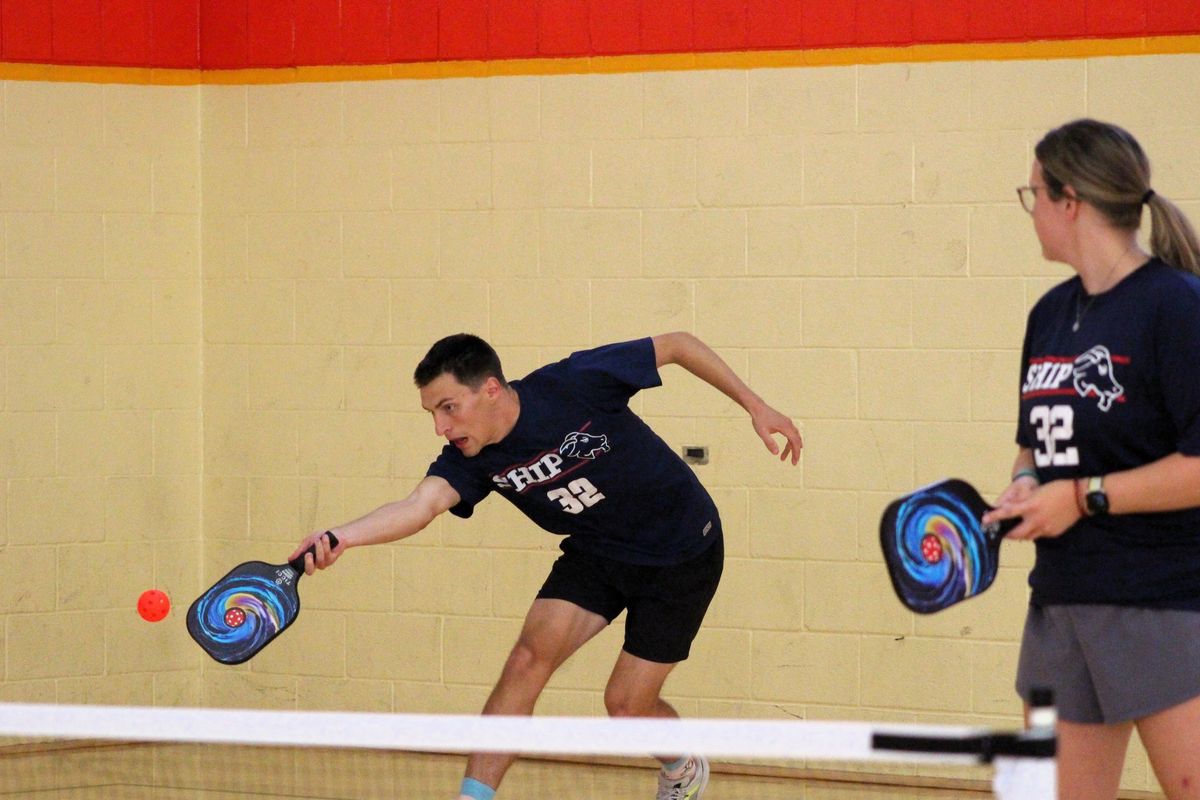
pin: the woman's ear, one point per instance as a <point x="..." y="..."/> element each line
<point x="1071" y="203"/>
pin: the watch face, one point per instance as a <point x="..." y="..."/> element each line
<point x="1097" y="503"/>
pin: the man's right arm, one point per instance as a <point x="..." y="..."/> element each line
<point x="388" y="523"/>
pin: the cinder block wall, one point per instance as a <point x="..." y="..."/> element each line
<point x="100" y="362"/>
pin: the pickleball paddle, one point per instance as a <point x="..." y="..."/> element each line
<point x="938" y="553"/>
<point x="244" y="611"/>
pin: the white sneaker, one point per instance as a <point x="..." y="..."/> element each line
<point x="688" y="786"/>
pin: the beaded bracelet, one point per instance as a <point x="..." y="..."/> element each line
<point x="1025" y="473"/>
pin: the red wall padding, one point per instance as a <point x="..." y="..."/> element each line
<point x="233" y="34"/>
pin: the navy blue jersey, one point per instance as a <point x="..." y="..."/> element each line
<point x="579" y="463"/>
<point x="1122" y="391"/>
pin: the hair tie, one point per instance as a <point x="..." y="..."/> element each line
<point x="1146" y="197"/>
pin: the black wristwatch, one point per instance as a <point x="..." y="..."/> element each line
<point x="1096" y="498"/>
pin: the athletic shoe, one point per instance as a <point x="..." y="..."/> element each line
<point x="688" y="786"/>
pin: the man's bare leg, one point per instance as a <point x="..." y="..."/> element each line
<point x="553" y="631"/>
<point x="635" y="690"/>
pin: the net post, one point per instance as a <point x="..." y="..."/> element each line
<point x="1032" y="773"/>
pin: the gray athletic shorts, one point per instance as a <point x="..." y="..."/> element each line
<point x="1109" y="664"/>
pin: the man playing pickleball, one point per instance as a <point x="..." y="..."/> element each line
<point x="642" y="533"/>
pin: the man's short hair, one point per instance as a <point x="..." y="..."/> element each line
<point x="468" y="358"/>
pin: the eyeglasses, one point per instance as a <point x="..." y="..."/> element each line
<point x="1027" y="196"/>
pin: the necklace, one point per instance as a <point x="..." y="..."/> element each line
<point x="1082" y="308"/>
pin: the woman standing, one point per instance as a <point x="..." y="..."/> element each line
<point x="1107" y="477"/>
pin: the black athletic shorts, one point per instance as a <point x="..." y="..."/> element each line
<point x="666" y="604"/>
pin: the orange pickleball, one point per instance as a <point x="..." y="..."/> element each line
<point x="153" y="605"/>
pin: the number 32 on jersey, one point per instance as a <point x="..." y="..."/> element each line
<point x="1054" y="427"/>
<point x="576" y="495"/>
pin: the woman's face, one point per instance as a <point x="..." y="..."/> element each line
<point x="1048" y="217"/>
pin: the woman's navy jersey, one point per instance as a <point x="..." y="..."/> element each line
<point x="579" y="463"/>
<point x="1122" y="391"/>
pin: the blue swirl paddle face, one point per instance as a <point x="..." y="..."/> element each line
<point x="937" y="551"/>
<point x="245" y="610"/>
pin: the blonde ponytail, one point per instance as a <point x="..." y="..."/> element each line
<point x="1172" y="237"/>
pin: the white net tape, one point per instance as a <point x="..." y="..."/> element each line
<point x="1023" y="761"/>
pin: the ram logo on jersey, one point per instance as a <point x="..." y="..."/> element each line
<point x="548" y="465"/>
<point x="1094" y="377"/>
<point x="1091" y="374"/>
<point x="584" y="445"/>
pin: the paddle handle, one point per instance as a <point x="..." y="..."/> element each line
<point x="297" y="563"/>
<point x="997" y="530"/>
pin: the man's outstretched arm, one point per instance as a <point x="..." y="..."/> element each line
<point x="388" y="523"/>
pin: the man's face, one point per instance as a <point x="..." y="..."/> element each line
<point x="465" y="416"/>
